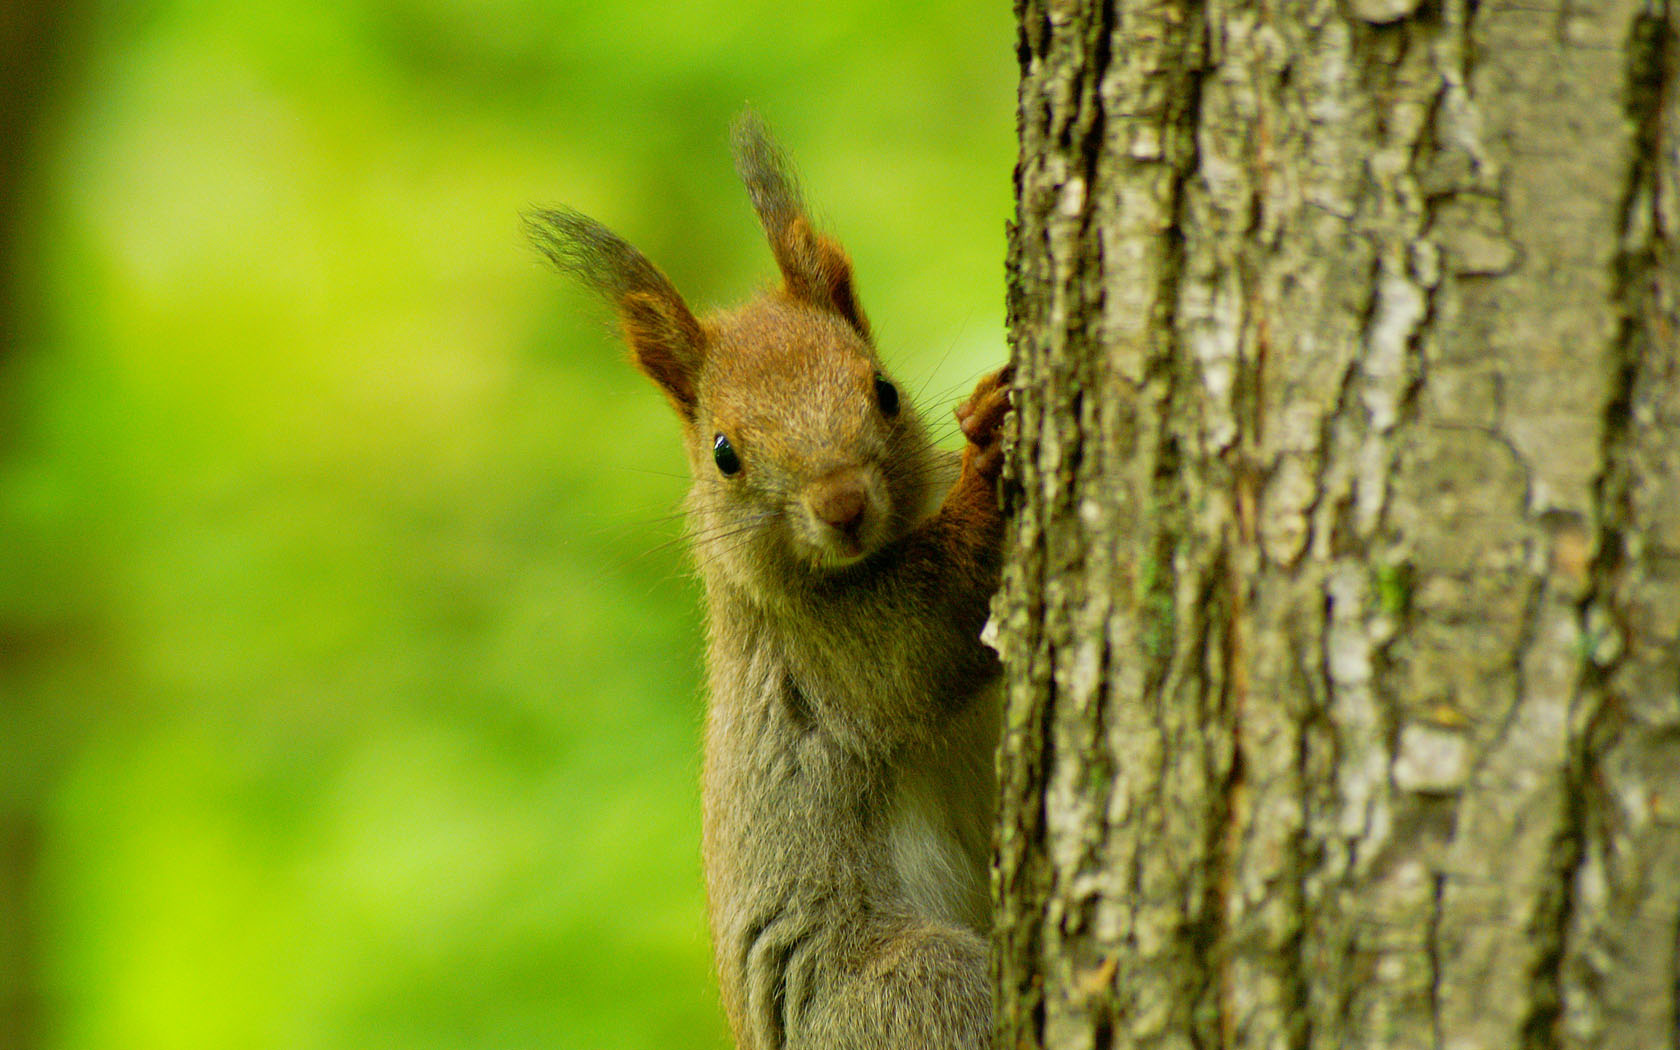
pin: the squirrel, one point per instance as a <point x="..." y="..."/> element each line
<point x="848" y="565"/>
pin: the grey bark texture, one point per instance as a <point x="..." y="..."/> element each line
<point x="1343" y="617"/>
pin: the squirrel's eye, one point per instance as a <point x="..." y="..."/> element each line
<point x="887" y="395"/>
<point x="724" y="453"/>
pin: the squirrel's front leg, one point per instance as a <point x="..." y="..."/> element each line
<point x="964" y="539"/>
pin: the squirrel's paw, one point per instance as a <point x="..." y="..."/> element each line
<point x="981" y="418"/>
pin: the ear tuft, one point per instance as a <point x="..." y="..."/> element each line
<point x="814" y="268"/>
<point x="664" y="338"/>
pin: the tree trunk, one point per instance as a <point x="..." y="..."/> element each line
<point x="1343" y="620"/>
<point x="31" y="58"/>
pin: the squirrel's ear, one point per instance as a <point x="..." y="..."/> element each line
<point x="813" y="266"/>
<point x="667" y="344"/>
<point x="664" y="338"/>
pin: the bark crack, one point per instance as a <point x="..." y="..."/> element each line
<point x="1651" y="60"/>
<point x="1596" y="716"/>
<point x="1433" y="951"/>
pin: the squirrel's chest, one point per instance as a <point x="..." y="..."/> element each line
<point x="935" y="873"/>
<point x="938" y="824"/>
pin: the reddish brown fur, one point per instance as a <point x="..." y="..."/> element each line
<point x="665" y="341"/>
<point x="852" y="714"/>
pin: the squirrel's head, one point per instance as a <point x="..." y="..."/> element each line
<point x="806" y="459"/>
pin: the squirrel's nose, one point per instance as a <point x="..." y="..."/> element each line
<point x="839" y="501"/>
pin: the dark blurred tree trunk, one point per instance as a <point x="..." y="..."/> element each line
<point x="20" y="1008"/>
<point x="31" y="32"/>
<point x="1343" y="621"/>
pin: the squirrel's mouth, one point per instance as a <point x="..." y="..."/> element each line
<point x="838" y="551"/>
<point x="842" y="516"/>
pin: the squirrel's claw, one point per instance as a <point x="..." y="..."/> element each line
<point x="981" y="417"/>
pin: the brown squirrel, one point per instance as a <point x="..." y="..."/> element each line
<point x="849" y="783"/>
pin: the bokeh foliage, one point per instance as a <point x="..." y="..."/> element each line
<point x="349" y="666"/>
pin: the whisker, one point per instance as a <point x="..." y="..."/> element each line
<point x="712" y="543"/>
<point x="950" y="346"/>
<point x="727" y="528"/>
<point x="657" y="473"/>
<point x="689" y="538"/>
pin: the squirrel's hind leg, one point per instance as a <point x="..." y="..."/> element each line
<point x="918" y="986"/>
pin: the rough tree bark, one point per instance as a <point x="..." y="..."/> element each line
<point x="1343" y="621"/>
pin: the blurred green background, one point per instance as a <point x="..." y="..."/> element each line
<point x="349" y="664"/>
